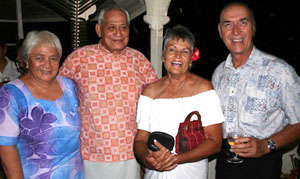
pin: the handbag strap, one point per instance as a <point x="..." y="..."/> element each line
<point x="188" y="119"/>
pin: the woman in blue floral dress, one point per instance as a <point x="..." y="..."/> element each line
<point x="39" y="119"/>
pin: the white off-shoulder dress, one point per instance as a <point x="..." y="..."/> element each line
<point x="165" y="114"/>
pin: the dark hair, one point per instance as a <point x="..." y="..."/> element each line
<point x="179" y="32"/>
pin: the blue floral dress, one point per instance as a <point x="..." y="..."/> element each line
<point x="45" y="132"/>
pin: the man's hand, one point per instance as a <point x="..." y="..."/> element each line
<point x="250" y="147"/>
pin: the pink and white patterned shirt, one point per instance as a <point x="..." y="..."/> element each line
<point x="109" y="87"/>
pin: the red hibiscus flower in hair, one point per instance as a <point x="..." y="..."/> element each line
<point x="196" y="54"/>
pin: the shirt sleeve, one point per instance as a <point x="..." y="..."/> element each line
<point x="291" y="95"/>
<point x="11" y="70"/>
<point x="215" y="77"/>
<point x="147" y="71"/>
<point x="143" y="113"/>
<point x="9" y="120"/>
<point x="210" y="109"/>
<point x="68" y="67"/>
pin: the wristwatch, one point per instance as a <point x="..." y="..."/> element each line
<point x="271" y="145"/>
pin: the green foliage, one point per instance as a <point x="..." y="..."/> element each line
<point x="71" y="10"/>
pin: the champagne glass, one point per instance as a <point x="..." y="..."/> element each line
<point x="231" y="141"/>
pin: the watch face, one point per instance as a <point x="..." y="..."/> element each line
<point x="271" y="144"/>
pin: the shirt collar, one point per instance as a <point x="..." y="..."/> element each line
<point x="255" y="59"/>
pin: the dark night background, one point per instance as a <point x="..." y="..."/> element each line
<point x="277" y="24"/>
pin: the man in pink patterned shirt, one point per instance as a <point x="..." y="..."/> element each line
<point x="110" y="77"/>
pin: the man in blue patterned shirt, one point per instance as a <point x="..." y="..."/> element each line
<point x="260" y="98"/>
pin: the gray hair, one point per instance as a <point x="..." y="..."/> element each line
<point x="105" y="10"/>
<point x="179" y="32"/>
<point x="35" y="38"/>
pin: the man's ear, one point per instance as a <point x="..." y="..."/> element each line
<point x="254" y="29"/>
<point x="98" y="30"/>
<point x="219" y="29"/>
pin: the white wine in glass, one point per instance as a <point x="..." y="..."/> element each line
<point x="231" y="141"/>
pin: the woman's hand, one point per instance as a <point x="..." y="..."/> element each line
<point x="161" y="160"/>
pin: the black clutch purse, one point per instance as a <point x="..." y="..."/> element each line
<point x="163" y="138"/>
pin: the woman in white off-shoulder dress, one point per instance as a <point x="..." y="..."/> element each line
<point x="166" y="103"/>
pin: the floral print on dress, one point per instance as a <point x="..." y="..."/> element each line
<point x="4" y="101"/>
<point x="46" y="133"/>
<point x="40" y="122"/>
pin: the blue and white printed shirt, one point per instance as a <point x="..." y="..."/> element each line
<point x="260" y="97"/>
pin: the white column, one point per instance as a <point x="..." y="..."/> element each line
<point x="156" y="17"/>
<point x="19" y="19"/>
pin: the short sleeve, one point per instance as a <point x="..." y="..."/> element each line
<point x="214" y="78"/>
<point x="148" y="74"/>
<point x="210" y="108"/>
<point x="9" y="123"/>
<point x="143" y="113"/>
<point x="291" y="95"/>
<point x="68" y="67"/>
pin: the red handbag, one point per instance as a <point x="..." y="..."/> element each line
<point x="190" y="134"/>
